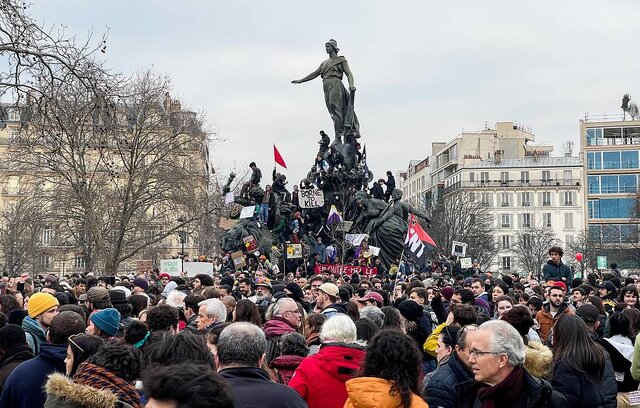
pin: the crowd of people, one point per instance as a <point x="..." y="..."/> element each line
<point x="258" y="338"/>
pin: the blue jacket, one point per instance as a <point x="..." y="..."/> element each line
<point x="25" y="386"/>
<point x="551" y="271"/>
<point x="251" y="387"/>
<point x="441" y="388"/>
<point x="35" y="334"/>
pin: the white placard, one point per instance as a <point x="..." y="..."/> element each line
<point x="355" y="239"/>
<point x="634" y="398"/>
<point x="311" y="198"/>
<point x="229" y="197"/>
<point x="197" y="268"/>
<point x="458" y="248"/>
<point x="247" y="212"/>
<point x="374" y="250"/>
<point x="465" y="263"/>
<point x="171" y="266"/>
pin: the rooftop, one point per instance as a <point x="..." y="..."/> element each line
<point x="528" y="162"/>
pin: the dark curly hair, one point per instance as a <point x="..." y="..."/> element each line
<point x="366" y="329"/>
<point x="520" y="318"/>
<point x="135" y="331"/>
<point x="294" y="344"/>
<point x="393" y="356"/>
<point x="122" y="359"/>
<point x="391" y="318"/>
<point x="8" y="303"/>
<point x="190" y="385"/>
<point x="184" y="347"/>
<point x="162" y="318"/>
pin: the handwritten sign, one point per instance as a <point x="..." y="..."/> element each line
<point x="311" y="198"/>
<point x="247" y="212"/>
<point x="346" y="269"/>
<point x="294" y="251"/>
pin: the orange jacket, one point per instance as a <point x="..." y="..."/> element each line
<point x="372" y="392"/>
<point x="547" y="321"/>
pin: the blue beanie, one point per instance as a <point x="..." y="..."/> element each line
<point x="107" y="320"/>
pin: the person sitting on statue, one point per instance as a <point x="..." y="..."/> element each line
<point x="377" y="191"/>
<point x="278" y="186"/>
<point x="254" y="180"/>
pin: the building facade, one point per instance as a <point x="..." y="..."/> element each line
<point x="610" y="149"/>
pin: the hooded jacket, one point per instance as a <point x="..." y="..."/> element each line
<point x="320" y="378"/>
<point x="273" y="330"/>
<point x="62" y="392"/>
<point x="285" y="366"/>
<point x="371" y="392"/>
<point x="13" y="357"/>
<point x="441" y="388"/>
<point x="538" y="360"/>
<point x="35" y="335"/>
<point x="24" y="387"/>
<point x="547" y="321"/>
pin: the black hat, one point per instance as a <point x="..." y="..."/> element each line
<point x="410" y="310"/>
<point x="17" y="316"/>
<point x="296" y="292"/>
<point x="588" y="312"/>
<point x="12" y="335"/>
<point x="227" y="280"/>
<point x="608" y="285"/>
<point x="117" y="297"/>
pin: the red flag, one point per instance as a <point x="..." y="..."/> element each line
<point x="277" y="157"/>
<point x="418" y="244"/>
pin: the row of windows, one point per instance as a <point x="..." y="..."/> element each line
<point x="625" y="159"/>
<point x="624" y="183"/>
<point x="613" y="136"/>
<point x="527" y="220"/>
<point x="506" y="177"/>
<point x="526" y="199"/>
<point x="614" y="233"/>
<point x="612" y="208"/>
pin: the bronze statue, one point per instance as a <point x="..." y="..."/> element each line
<point x="339" y="102"/>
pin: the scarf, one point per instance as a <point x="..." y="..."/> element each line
<point x="98" y="377"/>
<point x="505" y="392"/>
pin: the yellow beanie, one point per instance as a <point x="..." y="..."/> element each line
<point x="41" y="302"/>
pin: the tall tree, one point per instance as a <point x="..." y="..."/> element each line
<point x="531" y="249"/>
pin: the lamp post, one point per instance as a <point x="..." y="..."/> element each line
<point x="183" y="237"/>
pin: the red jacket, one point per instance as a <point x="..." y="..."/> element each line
<point x="320" y="378"/>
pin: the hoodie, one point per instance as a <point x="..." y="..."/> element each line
<point x="320" y="378"/>
<point x="35" y="334"/>
<point x="371" y="392"/>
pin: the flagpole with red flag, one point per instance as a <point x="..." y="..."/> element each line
<point x="277" y="157"/>
<point x="393" y="288"/>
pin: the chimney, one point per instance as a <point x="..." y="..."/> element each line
<point x="497" y="156"/>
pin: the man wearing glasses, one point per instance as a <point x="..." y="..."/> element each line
<point x="496" y="357"/>
<point x="286" y="319"/>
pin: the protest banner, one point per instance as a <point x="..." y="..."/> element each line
<point x="346" y="269"/>
<point x="311" y="198"/>
<point x="171" y="266"/>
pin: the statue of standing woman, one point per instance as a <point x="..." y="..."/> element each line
<point x="339" y="102"/>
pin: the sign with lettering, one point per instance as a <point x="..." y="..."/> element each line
<point x="247" y="212"/>
<point x="311" y="198"/>
<point x="144" y="266"/>
<point x="294" y="251"/>
<point x="346" y="269"/>
<point x="238" y="260"/>
<point x="250" y="244"/>
<point x="171" y="266"/>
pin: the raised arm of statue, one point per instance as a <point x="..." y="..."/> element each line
<point x="347" y="72"/>
<point x="309" y="77"/>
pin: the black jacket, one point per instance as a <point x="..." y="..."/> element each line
<point x="252" y="388"/>
<point x="580" y="391"/>
<point x="538" y="394"/>
<point x="441" y="388"/>
<point x="377" y="192"/>
<point x="551" y="271"/>
<point x="12" y="358"/>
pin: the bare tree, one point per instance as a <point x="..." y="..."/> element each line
<point x="531" y="248"/>
<point x="588" y="247"/>
<point x="460" y="217"/>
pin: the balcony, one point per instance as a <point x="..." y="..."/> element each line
<point x="497" y="184"/>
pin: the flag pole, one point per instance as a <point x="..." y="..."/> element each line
<point x="395" y="280"/>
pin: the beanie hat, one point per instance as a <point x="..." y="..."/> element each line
<point x="17" y="316"/>
<point x="227" y="280"/>
<point x="164" y="275"/>
<point x="41" y="302"/>
<point x="205" y="279"/>
<point x="107" y="320"/>
<point x="483" y="305"/>
<point x="410" y="310"/>
<point x="12" y="335"/>
<point x="141" y="283"/>
<point x="447" y="292"/>
<point x="467" y="281"/>
<point x="296" y="291"/>
<point x="97" y="294"/>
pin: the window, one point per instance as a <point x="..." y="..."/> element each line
<point x="484" y="177"/>
<point x="13" y="135"/>
<point x="14" y="115"/>
<point x="505" y="220"/>
<point x="485" y="199"/>
<point x="525" y="220"/>
<point x="505" y="200"/>
<point x="504" y="177"/>
<point x="566" y="177"/>
<point x="610" y="160"/>
<point x="629" y="159"/>
<point x="568" y="239"/>
<point x="506" y="242"/>
<point x="546" y="220"/>
<point x="594" y="137"/>
<point x="612" y="208"/>
<point x="628" y="183"/>
<point x="525" y="199"/>
<point x="546" y="198"/>
<point x="568" y="220"/>
<point x="46" y="261"/>
<point x="472" y="176"/>
<point x="47" y="236"/>
<point x="568" y="198"/>
<point x="78" y="262"/>
<point x="506" y="263"/>
<point x="546" y="176"/>
<point x="524" y="176"/>
<point x="594" y="184"/>
<point x="525" y="240"/>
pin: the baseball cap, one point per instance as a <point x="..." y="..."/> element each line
<point x="375" y="296"/>
<point x="330" y="289"/>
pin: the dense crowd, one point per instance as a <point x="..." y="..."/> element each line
<point x="259" y="338"/>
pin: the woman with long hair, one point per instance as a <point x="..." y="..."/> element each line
<point x="582" y="371"/>
<point x="619" y="345"/>
<point x="247" y="311"/>
<point x="389" y="374"/>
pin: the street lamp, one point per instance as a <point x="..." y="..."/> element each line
<point x="183" y="237"/>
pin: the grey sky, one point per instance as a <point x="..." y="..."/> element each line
<point x="424" y="70"/>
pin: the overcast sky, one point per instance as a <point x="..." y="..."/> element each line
<point x="424" y="70"/>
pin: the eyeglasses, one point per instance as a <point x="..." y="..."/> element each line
<point x="75" y="336"/>
<point x="475" y="353"/>
<point x="470" y="327"/>
<point x="292" y="311"/>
